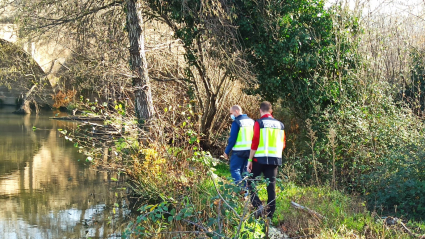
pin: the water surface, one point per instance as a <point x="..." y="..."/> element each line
<point x="47" y="189"/>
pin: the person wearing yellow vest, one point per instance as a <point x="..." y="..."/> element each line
<point x="239" y="142"/>
<point x="266" y="156"/>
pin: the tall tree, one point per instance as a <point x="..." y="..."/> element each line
<point x="143" y="96"/>
<point x="92" y="30"/>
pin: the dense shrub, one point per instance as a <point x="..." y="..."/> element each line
<point x="413" y="91"/>
<point x="300" y="50"/>
<point x="366" y="133"/>
<point x="398" y="185"/>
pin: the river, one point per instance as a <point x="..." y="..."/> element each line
<point x="47" y="188"/>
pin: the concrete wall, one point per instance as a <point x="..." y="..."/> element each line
<point x="49" y="55"/>
<point x="7" y="96"/>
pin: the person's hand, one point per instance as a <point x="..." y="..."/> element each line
<point x="249" y="167"/>
<point x="225" y="156"/>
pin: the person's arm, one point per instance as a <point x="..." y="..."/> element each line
<point x="254" y="145"/>
<point x="234" y="131"/>
<point x="284" y="140"/>
<point x="255" y="137"/>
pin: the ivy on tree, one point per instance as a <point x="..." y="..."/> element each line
<point x="292" y="45"/>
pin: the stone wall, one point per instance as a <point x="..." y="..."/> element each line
<point x="48" y="53"/>
<point x="49" y="56"/>
<point x="14" y="84"/>
<point x="8" y="97"/>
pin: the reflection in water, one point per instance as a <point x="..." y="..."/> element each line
<point x="46" y="188"/>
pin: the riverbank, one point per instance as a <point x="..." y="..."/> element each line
<point x="339" y="214"/>
<point x="198" y="209"/>
<point x="174" y="183"/>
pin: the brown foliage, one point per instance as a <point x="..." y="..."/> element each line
<point x="62" y="99"/>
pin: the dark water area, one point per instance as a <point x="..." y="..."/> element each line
<point x="48" y="189"/>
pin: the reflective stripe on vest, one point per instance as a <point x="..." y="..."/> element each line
<point x="271" y="140"/>
<point x="245" y="134"/>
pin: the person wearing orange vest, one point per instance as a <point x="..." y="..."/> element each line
<point x="265" y="156"/>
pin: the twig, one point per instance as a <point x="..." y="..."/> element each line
<point x="218" y="216"/>
<point x="218" y="192"/>
<point x="242" y="219"/>
<point x="312" y="235"/>
<point x="250" y="198"/>
<point x="389" y="221"/>
<point x="203" y="228"/>
<point x="78" y="118"/>
<point x="312" y="212"/>
<point x="407" y="229"/>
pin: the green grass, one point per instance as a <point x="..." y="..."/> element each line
<point x="222" y="170"/>
<point x="346" y="215"/>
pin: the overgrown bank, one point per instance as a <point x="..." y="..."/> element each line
<point x="180" y="196"/>
<point x="349" y="93"/>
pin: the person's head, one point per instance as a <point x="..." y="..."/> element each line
<point x="235" y="110"/>
<point x="265" y="108"/>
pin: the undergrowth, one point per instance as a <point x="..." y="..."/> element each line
<point x="346" y="216"/>
<point x="185" y="192"/>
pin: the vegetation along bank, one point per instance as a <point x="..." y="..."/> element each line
<point x="157" y="79"/>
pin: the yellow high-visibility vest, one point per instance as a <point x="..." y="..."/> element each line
<point x="245" y="134"/>
<point x="271" y="143"/>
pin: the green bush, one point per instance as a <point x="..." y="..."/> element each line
<point x="378" y="151"/>
<point x="398" y="185"/>
<point x="367" y="134"/>
<point x="294" y="49"/>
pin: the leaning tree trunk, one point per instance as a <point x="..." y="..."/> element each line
<point x="143" y="96"/>
<point x="25" y="107"/>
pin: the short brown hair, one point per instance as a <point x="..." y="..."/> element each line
<point x="266" y="106"/>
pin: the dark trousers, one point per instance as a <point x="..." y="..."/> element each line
<point x="270" y="173"/>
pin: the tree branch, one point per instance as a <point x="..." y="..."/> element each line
<point x="63" y="20"/>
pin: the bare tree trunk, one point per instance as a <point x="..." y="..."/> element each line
<point x="143" y="96"/>
<point x="25" y="107"/>
<point x="208" y="116"/>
